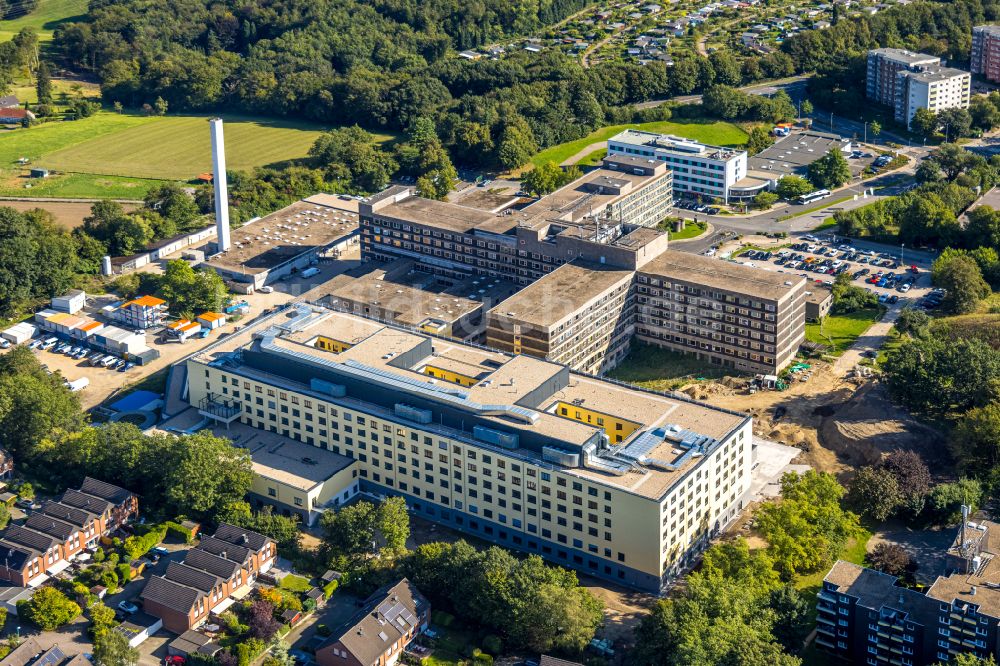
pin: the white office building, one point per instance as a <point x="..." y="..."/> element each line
<point x="699" y="170"/>
<point x="936" y="89"/>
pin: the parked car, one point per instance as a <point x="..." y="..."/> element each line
<point x="128" y="607"/>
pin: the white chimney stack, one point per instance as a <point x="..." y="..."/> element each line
<point x="221" y="188"/>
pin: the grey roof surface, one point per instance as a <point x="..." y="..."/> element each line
<point x="170" y="594"/>
<point x="94" y="505"/>
<point x="240" y="536"/>
<point x="51" y="526"/>
<point x="191" y="577"/>
<point x="23" y="654"/>
<point x="106" y="491"/>
<point x="213" y="564"/>
<point x="69" y="514"/>
<point x="389" y="614"/>
<point x="230" y="551"/>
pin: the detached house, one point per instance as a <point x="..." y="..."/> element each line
<point x="204" y="583"/>
<point x="376" y="636"/>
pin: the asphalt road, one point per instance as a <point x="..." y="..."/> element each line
<point x="795" y="86"/>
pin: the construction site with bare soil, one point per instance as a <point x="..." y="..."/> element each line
<point x="839" y="423"/>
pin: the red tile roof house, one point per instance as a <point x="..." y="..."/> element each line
<point x="14" y="116"/>
<point x="47" y="541"/>
<point x="188" y="592"/>
<point x="389" y="621"/>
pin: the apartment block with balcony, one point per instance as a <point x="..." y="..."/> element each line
<point x="885" y="64"/>
<point x="620" y="483"/>
<point x="699" y="170"/>
<point x="868" y="617"/>
<point x="934" y="89"/>
<point x="603" y="217"/>
<point x="732" y="316"/>
<point x="985" y="58"/>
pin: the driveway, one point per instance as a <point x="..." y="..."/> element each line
<point x="338" y="611"/>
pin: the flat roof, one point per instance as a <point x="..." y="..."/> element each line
<point x="904" y="56"/>
<point x="712" y="273"/>
<point x="521" y="382"/>
<point x="937" y="74"/>
<point x="674" y="144"/>
<point x="274" y="457"/>
<point x="413" y="296"/>
<point x="875" y="589"/>
<point x="567" y="289"/>
<point x="587" y="196"/>
<point x="794" y="152"/>
<point x="442" y="214"/>
<point x="275" y="238"/>
<point x="978" y="587"/>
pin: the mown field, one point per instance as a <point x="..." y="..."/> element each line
<point x="173" y="147"/>
<point x="46" y="17"/>
<point x="123" y="155"/>
<point x="718" y="133"/>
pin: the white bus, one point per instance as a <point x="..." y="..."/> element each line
<point x="813" y="196"/>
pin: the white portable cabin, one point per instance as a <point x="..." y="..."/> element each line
<point x="20" y="333"/>
<point x="71" y="302"/>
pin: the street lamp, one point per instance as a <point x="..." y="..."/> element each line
<point x="902" y="246"/>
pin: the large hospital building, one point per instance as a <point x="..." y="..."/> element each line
<point x="620" y="483"/>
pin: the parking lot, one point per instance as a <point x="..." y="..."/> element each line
<point x="875" y="268"/>
<point x="103" y="382"/>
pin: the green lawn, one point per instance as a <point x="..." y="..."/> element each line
<point x="690" y="230"/>
<point x="294" y="583"/>
<point x="840" y="331"/>
<point x="169" y="147"/>
<point x="46" y="17"/>
<point x="717" y="133"/>
<point x="821" y="206"/>
<point x="662" y="369"/>
<point x="75" y="186"/>
<point x="826" y="224"/>
<point x="594" y="158"/>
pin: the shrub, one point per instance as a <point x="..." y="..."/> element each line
<point x="330" y="588"/>
<point x="49" y="609"/>
<point x="442" y="619"/>
<point x="179" y="531"/>
<point x="492" y="644"/>
<point x="308" y="605"/>
<point x="124" y="572"/>
<point x="323" y="630"/>
<point x="248" y="650"/>
<point x="99" y="555"/>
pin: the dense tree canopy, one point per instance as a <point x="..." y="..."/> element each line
<point x="532" y="605"/>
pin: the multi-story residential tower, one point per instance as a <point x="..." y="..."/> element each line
<point x="935" y="89"/>
<point x="618" y="482"/>
<point x="865" y="615"/>
<point x="985" y="58"/>
<point x="908" y="81"/>
<point x="698" y="169"/>
<point x="601" y="217"/>
<point x="884" y="64"/>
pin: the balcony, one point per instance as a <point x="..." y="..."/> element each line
<point x="221" y="409"/>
